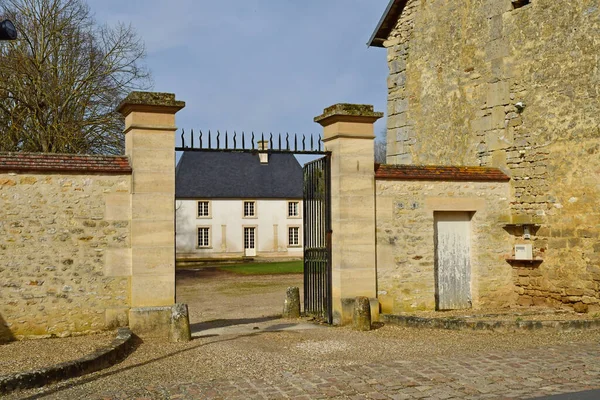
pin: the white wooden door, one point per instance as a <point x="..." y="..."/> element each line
<point x="453" y="261"/>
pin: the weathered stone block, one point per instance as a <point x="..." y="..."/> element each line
<point x="580" y="307"/>
<point x="397" y="121"/>
<point x="397" y="65"/>
<point x="525" y="301"/>
<point x="498" y="95"/>
<point x="291" y="306"/>
<point x="497" y="48"/>
<point x="498" y="120"/>
<point x="150" y="322"/>
<point x="361" y="318"/>
<point x="495" y="27"/>
<point x="179" y="330"/>
<point x="400" y="106"/>
<point x="117" y="262"/>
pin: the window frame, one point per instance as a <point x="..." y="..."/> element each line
<point x="298" y="212"/>
<point x="289" y="236"/>
<point x="208" y="208"/>
<point x="209" y="237"/>
<point x="255" y="214"/>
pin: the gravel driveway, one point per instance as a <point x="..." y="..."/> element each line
<point x="222" y="299"/>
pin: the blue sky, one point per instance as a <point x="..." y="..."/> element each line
<point x="258" y="65"/>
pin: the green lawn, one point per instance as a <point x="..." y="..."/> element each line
<point x="288" y="267"/>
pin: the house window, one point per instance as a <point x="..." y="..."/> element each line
<point x="293" y="209"/>
<point x="203" y="236"/>
<point x="249" y="241"/>
<point x="203" y="209"/>
<point x="293" y="236"/>
<point x="249" y="209"/>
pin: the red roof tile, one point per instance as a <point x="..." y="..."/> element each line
<point x="438" y="173"/>
<point x="45" y="162"/>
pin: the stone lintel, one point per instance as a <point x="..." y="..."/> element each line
<point x="525" y="219"/>
<point x="344" y="112"/>
<point x="150" y="102"/>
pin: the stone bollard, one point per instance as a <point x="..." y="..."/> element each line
<point x="291" y="307"/>
<point x="361" y="319"/>
<point x="180" y="324"/>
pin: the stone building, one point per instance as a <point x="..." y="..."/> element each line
<point x="507" y="84"/>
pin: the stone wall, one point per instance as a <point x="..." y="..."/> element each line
<point x="62" y="219"/>
<point x="514" y="88"/>
<point x="406" y="241"/>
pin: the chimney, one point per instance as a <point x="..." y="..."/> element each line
<point x="263" y="146"/>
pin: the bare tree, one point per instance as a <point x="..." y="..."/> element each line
<point x="61" y="81"/>
<point x="380" y="149"/>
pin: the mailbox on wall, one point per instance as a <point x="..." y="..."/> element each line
<point x="523" y="252"/>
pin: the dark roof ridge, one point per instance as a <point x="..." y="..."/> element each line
<point x="387" y="22"/>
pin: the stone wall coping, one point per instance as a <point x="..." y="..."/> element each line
<point x="490" y="325"/>
<point x="439" y="173"/>
<point x="347" y="112"/>
<point x="150" y="102"/>
<point x="102" y="358"/>
<point x="50" y="162"/>
<point x="151" y="308"/>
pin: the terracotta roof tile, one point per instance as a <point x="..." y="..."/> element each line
<point x="438" y="173"/>
<point x="45" y="162"/>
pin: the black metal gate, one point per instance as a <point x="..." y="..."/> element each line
<point x="317" y="239"/>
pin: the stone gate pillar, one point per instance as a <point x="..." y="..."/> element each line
<point x="150" y="145"/>
<point x="349" y="134"/>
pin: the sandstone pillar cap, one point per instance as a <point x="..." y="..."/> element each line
<point x="346" y="112"/>
<point x="150" y="102"/>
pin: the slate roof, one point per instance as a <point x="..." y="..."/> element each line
<point x="237" y="175"/>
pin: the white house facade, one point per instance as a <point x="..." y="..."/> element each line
<point x="231" y="205"/>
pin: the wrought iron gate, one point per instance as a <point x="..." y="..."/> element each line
<point x="317" y="239"/>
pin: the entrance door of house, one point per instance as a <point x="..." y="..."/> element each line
<point x="452" y="260"/>
<point x="249" y="241"/>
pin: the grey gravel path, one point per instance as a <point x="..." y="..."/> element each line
<point x="519" y="374"/>
<point x="230" y="359"/>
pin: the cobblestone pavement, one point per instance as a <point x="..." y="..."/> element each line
<point x="494" y="375"/>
